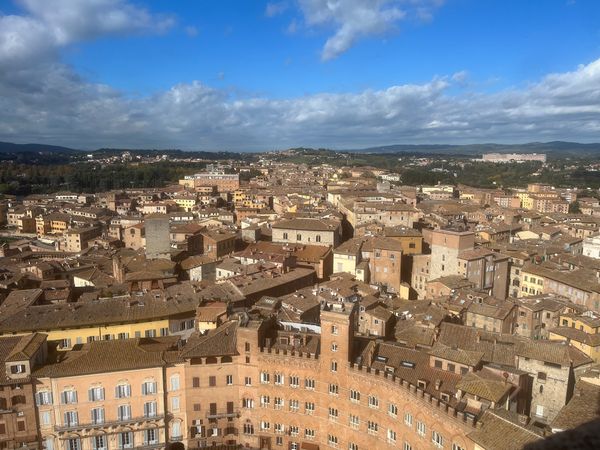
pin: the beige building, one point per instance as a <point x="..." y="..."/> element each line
<point x="108" y="394"/>
<point x="307" y="231"/>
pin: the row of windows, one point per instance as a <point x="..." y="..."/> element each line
<point x="97" y="393"/>
<point x="71" y="418"/>
<point x="354" y="422"/>
<point x="212" y="381"/>
<point x="299" y="237"/>
<point x="100" y="442"/>
<point x="293" y="381"/>
<point x="67" y="342"/>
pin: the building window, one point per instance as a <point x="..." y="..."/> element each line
<point x="150" y="409"/>
<point x="44" y="398"/>
<point x="96" y="394"/>
<point x="68" y="397"/>
<point x="45" y="419"/>
<point x="97" y="415"/>
<point x="352" y="446"/>
<point x="372" y="427"/>
<point x="309" y="408"/>
<point x="437" y="439"/>
<point x="294" y="405"/>
<point x="174" y="382"/>
<point x="73" y="444"/>
<point x="294" y="381"/>
<point x="354" y="421"/>
<point x="457" y="447"/>
<point x="334" y="347"/>
<point x="354" y="396"/>
<point x="406" y="446"/>
<point x="332" y="441"/>
<point x="278" y="401"/>
<point x="421" y="429"/>
<point x="196" y="382"/>
<point x="247" y="381"/>
<point x="542" y="376"/>
<point x="309" y="383"/>
<point x="124" y="412"/>
<point x="70" y="418"/>
<point x="149" y="387"/>
<point x="18" y="368"/>
<point x="285" y="236"/>
<point x="99" y="442"/>
<point x="123" y="391"/>
<point x="279" y="379"/>
<point x="333" y="413"/>
<point x="393" y="410"/>
<point x="334" y="366"/>
<point x="212" y="381"/>
<point x="265" y="401"/>
<point x="309" y="434"/>
<point x="248" y="403"/>
<point x="150" y="436"/>
<point x="264" y="377"/>
<point x="318" y="238"/>
<point x="334" y="329"/>
<point x="126" y="440"/>
<point x="391" y="436"/>
<point x="334" y="389"/>
<point x="373" y="402"/>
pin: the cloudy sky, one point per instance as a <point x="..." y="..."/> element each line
<point x="252" y="75"/>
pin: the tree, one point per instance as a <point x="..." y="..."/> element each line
<point x="574" y="207"/>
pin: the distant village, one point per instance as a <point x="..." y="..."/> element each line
<point x="311" y="307"/>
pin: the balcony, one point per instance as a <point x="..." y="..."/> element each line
<point x="107" y="424"/>
<point x="223" y="415"/>
<point x="151" y="446"/>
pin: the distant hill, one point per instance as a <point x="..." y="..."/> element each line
<point x="9" y="147"/>
<point x="554" y="148"/>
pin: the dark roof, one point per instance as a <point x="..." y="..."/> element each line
<point x="218" y="342"/>
<point x="110" y="356"/>
<point x="499" y="433"/>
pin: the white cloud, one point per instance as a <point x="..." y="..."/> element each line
<point x="59" y="107"/>
<point x="191" y="31"/>
<point x="42" y="100"/>
<point x="275" y="8"/>
<point x="353" y="20"/>
<point x="50" y="25"/>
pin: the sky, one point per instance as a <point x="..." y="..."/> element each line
<point x="267" y="75"/>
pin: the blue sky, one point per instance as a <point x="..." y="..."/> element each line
<point x="262" y="75"/>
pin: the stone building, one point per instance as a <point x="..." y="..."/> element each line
<point x="158" y="243"/>
<point x="446" y="246"/>
<point x="307" y="231"/>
